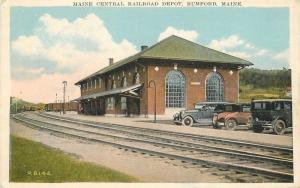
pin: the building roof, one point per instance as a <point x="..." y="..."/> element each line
<point x="176" y="48"/>
<point x="110" y="92"/>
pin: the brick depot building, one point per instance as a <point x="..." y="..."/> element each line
<point x="182" y="71"/>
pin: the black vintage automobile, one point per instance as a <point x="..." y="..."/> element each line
<point x="272" y="114"/>
<point x="201" y="114"/>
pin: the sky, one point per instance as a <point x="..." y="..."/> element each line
<point x="49" y="45"/>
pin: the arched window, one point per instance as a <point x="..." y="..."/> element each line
<point x="175" y="89"/>
<point x="214" y="87"/>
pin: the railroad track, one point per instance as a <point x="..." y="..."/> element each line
<point x="275" y="151"/>
<point x="243" y="167"/>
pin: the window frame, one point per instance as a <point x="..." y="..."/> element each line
<point x="216" y="81"/>
<point x="175" y="89"/>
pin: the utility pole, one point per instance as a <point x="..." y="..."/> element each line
<point x="149" y="85"/>
<point x="68" y="103"/>
<point x="64" y="97"/>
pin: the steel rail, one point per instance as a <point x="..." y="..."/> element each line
<point x="100" y="125"/>
<point x="262" y="158"/>
<point x="242" y="168"/>
<point x="273" y="147"/>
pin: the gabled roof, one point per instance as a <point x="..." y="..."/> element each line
<point x="176" y="48"/>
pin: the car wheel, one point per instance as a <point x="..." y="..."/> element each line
<point x="187" y="121"/>
<point x="257" y="128"/>
<point x="231" y="124"/>
<point x="279" y="127"/>
<point x="215" y="125"/>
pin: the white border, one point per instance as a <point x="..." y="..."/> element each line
<point x="5" y="93"/>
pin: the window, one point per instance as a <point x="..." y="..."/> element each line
<point x="110" y="103"/>
<point x="100" y="82"/>
<point x="137" y="78"/>
<point x="246" y="109"/>
<point x="123" y="103"/>
<point x="214" y="88"/>
<point x="113" y="84"/>
<point x="228" y="108"/>
<point x="287" y="106"/>
<point x="278" y="106"/>
<point x="175" y="89"/>
<point x="124" y="82"/>
<point x="259" y="105"/>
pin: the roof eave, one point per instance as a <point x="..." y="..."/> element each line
<point x="203" y="61"/>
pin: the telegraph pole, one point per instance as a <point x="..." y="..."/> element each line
<point x="64" y="98"/>
<point x="149" y="85"/>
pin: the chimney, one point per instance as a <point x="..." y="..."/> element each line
<point x="143" y="48"/>
<point x="111" y="61"/>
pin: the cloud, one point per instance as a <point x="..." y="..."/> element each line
<point x="186" y="34"/>
<point x="45" y="88"/>
<point x="225" y="43"/>
<point x="70" y="49"/>
<point x="242" y="48"/>
<point x="31" y="71"/>
<point x="282" y="56"/>
<point x="243" y="55"/>
<point x="28" y="46"/>
<point x="261" y="52"/>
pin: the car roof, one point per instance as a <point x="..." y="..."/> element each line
<point x="203" y="103"/>
<point x="271" y="100"/>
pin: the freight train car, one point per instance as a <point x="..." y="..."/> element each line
<point x="56" y="107"/>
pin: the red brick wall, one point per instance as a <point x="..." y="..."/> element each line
<point x="116" y="75"/>
<point x="194" y="93"/>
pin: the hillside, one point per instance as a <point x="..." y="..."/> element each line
<point x="256" y="83"/>
<point x="20" y="105"/>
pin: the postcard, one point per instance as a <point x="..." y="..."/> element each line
<point x="132" y="93"/>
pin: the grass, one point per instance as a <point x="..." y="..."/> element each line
<point x="34" y="162"/>
<point x="247" y="92"/>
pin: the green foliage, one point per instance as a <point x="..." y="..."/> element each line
<point x="18" y="105"/>
<point x="264" y="84"/>
<point x="35" y="162"/>
<point x="266" y="78"/>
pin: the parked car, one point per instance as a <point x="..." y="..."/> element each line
<point x="274" y="114"/>
<point x="202" y="114"/>
<point x="232" y="116"/>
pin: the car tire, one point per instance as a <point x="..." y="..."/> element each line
<point x="257" y="128"/>
<point x="231" y="124"/>
<point x="216" y="126"/>
<point x="279" y="127"/>
<point x="188" y="121"/>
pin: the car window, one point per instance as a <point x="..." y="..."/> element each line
<point x="259" y="105"/>
<point x="228" y="108"/>
<point x="197" y="106"/>
<point x="219" y="108"/>
<point x="246" y="108"/>
<point x="278" y="106"/>
<point x="287" y="106"/>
